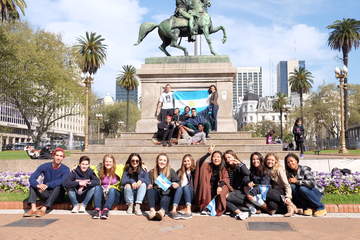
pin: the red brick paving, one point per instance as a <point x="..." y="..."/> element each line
<point x="132" y="227"/>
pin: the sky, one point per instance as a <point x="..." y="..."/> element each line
<point x="260" y="33"/>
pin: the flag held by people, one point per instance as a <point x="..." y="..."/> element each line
<point x="163" y="182"/>
<point x="212" y="207"/>
<point x="194" y="99"/>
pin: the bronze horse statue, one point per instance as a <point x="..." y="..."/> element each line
<point x="173" y="28"/>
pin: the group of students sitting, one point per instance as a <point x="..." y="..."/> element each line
<point x="214" y="186"/>
<point x="187" y="128"/>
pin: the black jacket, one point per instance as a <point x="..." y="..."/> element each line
<point x="77" y="174"/>
<point x="238" y="175"/>
<point x="173" y="178"/>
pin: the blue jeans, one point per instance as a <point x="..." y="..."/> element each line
<point x="112" y="198"/>
<point x="306" y="197"/>
<point x="154" y="197"/>
<point x="213" y="116"/>
<point x="74" y="196"/>
<point x="129" y="193"/>
<point x="186" y="192"/>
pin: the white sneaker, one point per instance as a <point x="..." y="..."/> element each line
<point x="75" y="209"/>
<point x="242" y="216"/>
<point x="82" y="208"/>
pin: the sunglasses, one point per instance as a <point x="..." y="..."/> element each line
<point x="135" y="161"/>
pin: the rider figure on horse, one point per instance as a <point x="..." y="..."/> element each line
<point x="183" y="10"/>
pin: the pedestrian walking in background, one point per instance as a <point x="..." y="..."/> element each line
<point x="298" y="131"/>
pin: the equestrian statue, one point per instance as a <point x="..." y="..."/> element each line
<point x="190" y="19"/>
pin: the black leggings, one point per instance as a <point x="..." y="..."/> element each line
<point x="235" y="200"/>
<point x="300" y="146"/>
<point x="274" y="200"/>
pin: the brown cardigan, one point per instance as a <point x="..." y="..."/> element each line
<point x="203" y="187"/>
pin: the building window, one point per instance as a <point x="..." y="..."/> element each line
<point x="273" y="118"/>
<point x="263" y="118"/>
<point x="251" y="118"/>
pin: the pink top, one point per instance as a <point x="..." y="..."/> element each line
<point x="109" y="181"/>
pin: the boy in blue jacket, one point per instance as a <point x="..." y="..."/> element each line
<point x="46" y="183"/>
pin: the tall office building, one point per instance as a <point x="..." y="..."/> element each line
<point x="248" y="79"/>
<point x="121" y="95"/>
<point x="284" y="69"/>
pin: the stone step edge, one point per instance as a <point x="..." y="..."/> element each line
<point x="330" y="208"/>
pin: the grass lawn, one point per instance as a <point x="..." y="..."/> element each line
<point x="335" y="151"/>
<point x="13" y="155"/>
<point x="13" y="197"/>
<point x="19" y="155"/>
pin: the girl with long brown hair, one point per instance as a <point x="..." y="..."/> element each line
<point x="158" y="192"/>
<point x="186" y="175"/>
<point x="135" y="181"/>
<point x="108" y="193"/>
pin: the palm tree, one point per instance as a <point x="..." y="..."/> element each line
<point x="344" y="36"/>
<point x="127" y="79"/>
<point x="9" y="9"/>
<point x="279" y="105"/>
<point x="92" y="56"/>
<point x="301" y="81"/>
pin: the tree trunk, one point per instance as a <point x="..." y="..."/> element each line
<point x="301" y="106"/>
<point x="346" y="96"/>
<point x="127" y="110"/>
<point x="281" y="125"/>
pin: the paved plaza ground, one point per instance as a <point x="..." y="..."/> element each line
<point x="120" y="226"/>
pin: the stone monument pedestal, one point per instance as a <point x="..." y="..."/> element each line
<point x="186" y="73"/>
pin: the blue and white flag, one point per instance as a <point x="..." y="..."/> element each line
<point x="163" y="182"/>
<point x="212" y="207"/>
<point x="264" y="190"/>
<point x="194" y="99"/>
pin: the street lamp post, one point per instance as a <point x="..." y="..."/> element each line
<point x="341" y="74"/>
<point x="87" y="81"/>
<point x="98" y="116"/>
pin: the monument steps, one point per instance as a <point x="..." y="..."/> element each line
<point x="149" y="142"/>
<point x="184" y="148"/>
<point x="215" y="135"/>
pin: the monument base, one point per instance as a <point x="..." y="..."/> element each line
<point x="188" y="73"/>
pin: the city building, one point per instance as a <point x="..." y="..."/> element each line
<point x="254" y="109"/>
<point x="121" y="95"/>
<point x="68" y="131"/>
<point x="284" y="69"/>
<point x="248" y="79"/>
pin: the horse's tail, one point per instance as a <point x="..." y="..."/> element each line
<point x="144" y="30"/>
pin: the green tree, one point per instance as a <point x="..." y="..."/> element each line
<point x="345" y="36"/>
<point x="92" y="55"/>
<point x="39" y="79"/>
<point x="301" y="81"/>
<point x="279" y="105"/>
<point x="127" y="79"/>
<point x="9" y="9"/>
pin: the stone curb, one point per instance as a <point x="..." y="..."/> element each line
<point x="330" y="208"/>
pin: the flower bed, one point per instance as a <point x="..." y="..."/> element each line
<point x="14" y="182"/>
<point x="335" y="184"/>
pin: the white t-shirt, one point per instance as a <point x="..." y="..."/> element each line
<point x="167" y="100"/>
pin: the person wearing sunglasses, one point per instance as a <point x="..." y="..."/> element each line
<point x="135" y="181"/>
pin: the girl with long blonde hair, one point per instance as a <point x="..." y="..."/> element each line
<point x="159" y="193"/>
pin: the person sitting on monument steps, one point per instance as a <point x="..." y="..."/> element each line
<point x="163" y="183"/>
<point x="165" y="131"/>
<point x="176" y="121"/>
<point x="186" y="114"/>
<point x="199" y="136"/>
<point x="185" y="192"/>
<point x="165" y="105"/>
<point x="306" y="192"/>
<point x="107" y="193"/>
<point x="197" y="118"/>
<point x="46" y="183"/>
<point x="238" y="176"/>
<point x="280" y="194"/>
<point x="135" y="181"/>
<point x="211" y="183"/>
<point x="80" y="185"/>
